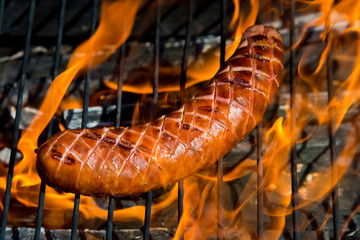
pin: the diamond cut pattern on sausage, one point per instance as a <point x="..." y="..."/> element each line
<point x="131" y="161"/>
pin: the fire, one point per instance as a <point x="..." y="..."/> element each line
<point x="206" y="67"/>
<point x="281" y="136"/>
<point x="113" y="30"/>
<point x="340" y="23"/>
<point x="200" y="70"/>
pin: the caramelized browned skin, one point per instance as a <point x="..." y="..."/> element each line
<point x="131" y="161"/>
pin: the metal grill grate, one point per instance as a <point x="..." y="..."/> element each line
<point x="17" y="119"/>
<point x="109" y="228"/>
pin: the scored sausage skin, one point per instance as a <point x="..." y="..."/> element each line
<point x="134" y="160"/>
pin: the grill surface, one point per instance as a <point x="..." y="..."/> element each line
<point x="69" y="31"/>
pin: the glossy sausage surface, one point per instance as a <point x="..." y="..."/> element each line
<point x="134" y="160"/>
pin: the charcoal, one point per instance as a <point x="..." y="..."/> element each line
<point x="27" y="115"/>
<point x="5" y="155"/>
<point x="98" y="116"/>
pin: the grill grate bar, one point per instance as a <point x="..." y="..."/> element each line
<point x="332" y="143"/>
<point x="293" y="160"/>
<point x="259" y="174"/>
<point x="156" y="52"/>
<point x="120" y="83"/>
<point x="111" y="206"/>
<point x="189" y="20"/>
<point x="180" y="201"/>
<point x="147" y="215"/>
<point x="2" y="5"/>
<point x="75" y="218"/>
<point x="190" y="6"/>
<point x="14" y="143"/>
<point x="223" y="31"/>
<point x="59" y="39"/>
<point x="110" y="219"/>
<point x="220" y="199"/>
<point x="49" y="127"/>
<point x="260" y="185"/>
<point x="155" y="100"/>
<point x="40" y="208"/>
<point x="220" y="166"/>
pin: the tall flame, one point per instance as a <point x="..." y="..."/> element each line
<point x="206" y="69"/>
<point x="283" y="135"/>
<point x="202" y="68"/>
<point x="117" y="19"/>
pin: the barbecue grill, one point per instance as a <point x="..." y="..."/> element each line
<point x="25" y="25"/>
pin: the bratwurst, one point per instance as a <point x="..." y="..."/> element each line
<point x="134" y="160"/>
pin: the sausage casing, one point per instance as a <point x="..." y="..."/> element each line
<point x="134" y="160"/>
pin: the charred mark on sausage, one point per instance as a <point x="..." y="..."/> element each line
<point x="206" y="108"/>
<point x="69" y="161"/>
<point x="259" y="56"/>
<point x="258" y="38"/>
<point x="109" y="140"/>
<point x="243" y="51"/>
<point x="241" y="82"/>
<point x="56" y="156"/>
<point x="186" y="126"/>
<point x="166" y="137"/>
<point x="145" y="149"/>
<point x="91" y="135"/>
<point x="125" y="145"/>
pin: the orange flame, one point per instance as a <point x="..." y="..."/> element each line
<point x="113" y="30"/>
<point x="202" y="68"/>
<point x="283" y="135"/>
<point x="206" y="67"/>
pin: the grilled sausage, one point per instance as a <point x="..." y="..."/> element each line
<point x="134" y="160"/>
